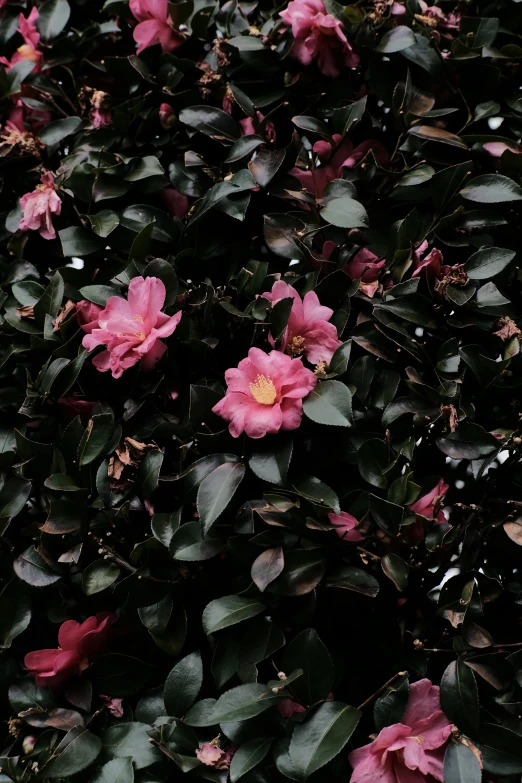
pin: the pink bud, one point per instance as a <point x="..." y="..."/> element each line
<point x="167" y="117"/>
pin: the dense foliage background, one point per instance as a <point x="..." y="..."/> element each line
<point x="234" y="617"/>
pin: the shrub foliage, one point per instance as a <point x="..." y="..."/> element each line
<point x="260" y="356"/>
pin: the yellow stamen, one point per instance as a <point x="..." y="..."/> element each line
<point x="295" y="345"/>
<point x="140" y="335"/>
<point x="419" y="739"/>
<point x="263" y="390"/>
<point x="138" y="318"/>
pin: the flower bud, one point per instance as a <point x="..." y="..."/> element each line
<point x="28" y="744"/>
<point x="167" y="117"/>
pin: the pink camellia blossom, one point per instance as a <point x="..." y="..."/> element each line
<point x="334" y="160"/>
<point x="131" y="328"/>
<point x="428" y="505"/>
<point x="289" y="707"/>
<point x="209" y="754"/>
<point x="176" y="203"/>
<point x="345" y="525"/>
<point x="72" y="407"/>
<point x="39" y="206"/>
<point x="28" y="50"/>
<point x="308" y="331"/>
<point x="367" y="266"/>
<point x="78" y="642"/>
<point x="497" y="148"/>
<point x="318" y="36"/>
<point x="247" y="127"/>
<point x="167" y="116"/>
<point x="87" y="314"/>
<point x="115" y="706"/>
<point x="264" y="394"/>
<point x="411" y="751"/>
<point x="155" y="25"/>
<point x="101" y="112"/>
<point x="432" y="262"/>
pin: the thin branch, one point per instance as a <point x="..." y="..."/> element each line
<point x="381" y="690"/>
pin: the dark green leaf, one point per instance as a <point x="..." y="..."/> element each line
<point x="345" y="213"/>
<point x="217" y="490"/>
<point x="329" y="403"/>
<point x="461" y="765"/>
<point x="183" y="685"/>
<point x="267" y="567"/>
<point x="488" y="262"/>
<point x="459" y="697"/>
<point x="248" y="756"/>
<point x="491" y="189"/>
<point x="319" y="739"/>
<point x="307" y="652"/>
<point x="229" y="610"/>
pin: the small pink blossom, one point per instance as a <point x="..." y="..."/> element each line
<point x="39" y="206"/>
<point x="411" y="751"/>
<point x="100" y="113"/>
<point x="426" y="505"/>
<point x="264" y="394"/>
<point x="115" y="706"/>
<point x="167" y="116"/>
<point x="155" y="25"/>
<point x="289" y="707"/>
<point x="432" y="262"/>
<point x="131" y="328"/>
<point x="308" y="331"/>
<point x="367" y="266"/>
<point x="209" y="754"/>
<point x="334" y="159"/>
<point x="176" y="203"/>
<point x="318" y="36"/>
<point x="247" y="127"/>
<point x="345" y="525"/>
<point x="497" y="148"/>
<point x="31" y="36"/>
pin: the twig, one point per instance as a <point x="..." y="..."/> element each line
<point x="381" y="690"/>
<point x="370" y="554"/>
<point x="472" y="649"/>
<point x="110" y="554"/>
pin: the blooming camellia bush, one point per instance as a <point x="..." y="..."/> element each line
<point x="260" y="453"/>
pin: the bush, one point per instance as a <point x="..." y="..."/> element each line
<point x="260" y="446"/>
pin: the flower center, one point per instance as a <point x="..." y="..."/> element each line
<point x="138" y="318"/>
<point x="295" y="345"/>
<point x="263" y="390"/>
<point x="139" y="335"/>
<point x="419" y="739"/>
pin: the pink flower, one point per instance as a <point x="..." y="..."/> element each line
<point x="167" y="117"/>
<point x="344" y="526"/>
<point x="115" y="706"/>
<point x="318" y="36"/>
<point x="425" y="506"/>
<point x="78" y="642"/>
<point x="176" y="203"/>
<point x="209" y="754"/>
<point x="155" y="25"/>
<point x="308" y="330"/>
<point x="334" y="160"/>
<point x="100" y="113"/>
<point x="73" y="407"/>
<point x="289" y="707"/>
<point x="39" y="206"/>
<point x="264" y="394"/>
<point x="411" y="751"/>
<point x="87" y="314"/>
<point x="432" y="262"/>
<point x="497" y="148"/>
<point x="247" y="127"/>
<point x="31" y="36"/>
<point x="131" y="328"/>
<point x="367" y="266"/>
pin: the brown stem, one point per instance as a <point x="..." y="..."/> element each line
<point x="110" y="554"/>
<point x="381" y="690"/>
<point x="370" y="554"/>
